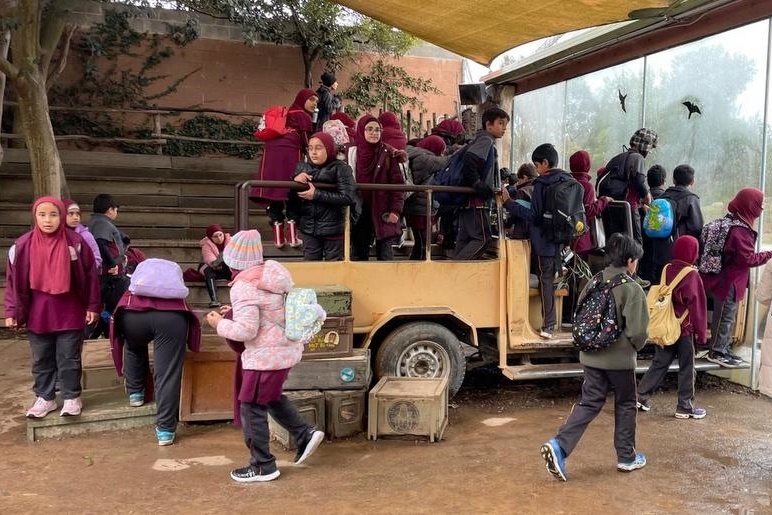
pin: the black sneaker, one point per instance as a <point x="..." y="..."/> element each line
<point x="643" y="405"/>
<point x="250" y="474"/>
<point x="307" y="448"/>
<point x="724" y="361"/>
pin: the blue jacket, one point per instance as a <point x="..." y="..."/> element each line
<point x="533" y="214"/>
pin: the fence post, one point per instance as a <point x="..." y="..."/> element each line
<point x="434" y="120"/>
<point x="420" y="123"/>
<point x="409" y="124"/>
<point x="157" y="130"/>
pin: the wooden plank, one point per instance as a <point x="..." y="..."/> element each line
<point x="215" y="164"/>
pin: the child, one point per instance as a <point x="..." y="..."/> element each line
<point x="689" y="294"/>
<point x="728" y="286"/>
<point x="257" y="294"/>
<point x="648" y="270"/>
<point x="52" y="288"/>
<point x="73" y="222"/>
<point x="323" y="211"/>
<point x="212" y="266"/>
<point x="611" y="368"/>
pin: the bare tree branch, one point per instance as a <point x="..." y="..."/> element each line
<point x="70" y="30"/>
<point x="8" y="69"/>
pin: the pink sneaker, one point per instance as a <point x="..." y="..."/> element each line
<point x="41" y="408"/>
<point x="71" y="407"/>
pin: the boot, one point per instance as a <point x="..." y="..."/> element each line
<point x="294" y="241"/>
<point x="278" y="234"/>
<point x="211" y="288"/>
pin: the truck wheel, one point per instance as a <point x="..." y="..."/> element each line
<point x="422" y="349"/>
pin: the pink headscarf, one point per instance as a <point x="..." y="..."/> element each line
<point x="49" y="254"/>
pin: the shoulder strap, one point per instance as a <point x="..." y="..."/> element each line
<point x="679" y="277"/>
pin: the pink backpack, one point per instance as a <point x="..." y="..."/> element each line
<point x="337" y="130"/>
<point x="158" y="278"/>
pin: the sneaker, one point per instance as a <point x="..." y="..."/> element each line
<point x="643" y="405"/>
<point x="214" y="304"/>
<point x="546" y="334"/>
<point x="724" y="361"/>
<point x="638" y="463"/>
<point x="694" y="413"/>
<point x="136" y="399"/>
<point x="311" y="444"/>
<point x="251" y="474"/>
<point x="164" y="437"/>
<point x="71" y="408"/>
<point x="41" y="408"/>
<point x="555" y="459"/>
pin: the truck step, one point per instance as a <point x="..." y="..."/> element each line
<point x="557" y="370"/>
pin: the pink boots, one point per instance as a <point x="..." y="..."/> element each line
<point x="292" y="230"/>
<point x="278" y="234"/>
<point x="294" y="241"/>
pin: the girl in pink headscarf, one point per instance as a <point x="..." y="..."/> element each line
<point x="52" y="289"/>
<point x="280" y="157"/>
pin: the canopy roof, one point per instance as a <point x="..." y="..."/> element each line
<point x="481" y="30"/>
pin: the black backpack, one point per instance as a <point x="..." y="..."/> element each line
<point x="616" y="180"/>
<point x="595" y="325"/>
<point x="563" y="217"/>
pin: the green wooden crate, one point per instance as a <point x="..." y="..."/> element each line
<point x="334" y="298"/>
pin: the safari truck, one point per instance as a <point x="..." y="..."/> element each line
<point x="438" y="316"/>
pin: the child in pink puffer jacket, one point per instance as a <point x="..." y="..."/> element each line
<point x="257" y="295"/>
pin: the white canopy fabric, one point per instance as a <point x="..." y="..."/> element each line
<point x="483" y="29"/>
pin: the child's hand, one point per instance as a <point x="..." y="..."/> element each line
<point x="224" y="309"/>
<point x="302" y="178"/>
<point x="390" y="218"/>
<point x="213" y="318"/>
<point x="504" y="193"/>
<point x="309" y="193"/>
<point x="10" y="322"/>
<point x="91" y="317"/>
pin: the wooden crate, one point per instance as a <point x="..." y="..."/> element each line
<point x="344" y="412"/>
<point x="207" y="386"/>
<point x="345" y="373"/>
<point x="311" y="406"/>
<point x="334" y="298"/>
<point x="408" y="406"/>
<point x="336" y="339"/>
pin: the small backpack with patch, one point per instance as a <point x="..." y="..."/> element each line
<point x="595" y="322"/>
<point x="274" y="124"/>
<point x="712" y="241"/>
<point x="563" y="217"/>
<point x="303" y="316"/>
<point x="660" y="219"/>
<point x="664" y="326"/>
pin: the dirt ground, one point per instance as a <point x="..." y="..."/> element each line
<point x="488" y="462"/>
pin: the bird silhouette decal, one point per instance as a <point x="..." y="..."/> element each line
<point x="622" y="99"/>
<point x="693" y="108"/>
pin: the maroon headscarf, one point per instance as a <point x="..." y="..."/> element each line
<point x="329" y="145"/>
<point x="747" y="205"/>
<point x="367" y="153"/>
<point x="434" y="144"/>
<point x="580" y="162"/>
<point x="448" y="127"/>
<point x="210" y="232"/>
<point x="49" y="254"/>
<point x="297" y="116"/>
<point x="686" y="248"/>
<point x="392" y="130"/>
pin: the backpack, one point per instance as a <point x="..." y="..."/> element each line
<point x="616" y="180"/>
<point x="453" y="175"/>
<point x="660" y="219"/>
<point x="337" y="130"/>
<point x="664" y="326"/>
<point x="274" y="124"/>
<point x="158" y="278"/>
<point x="712" y="240"/>
<point x="563" y="217"/>
<point x="303" y="316"/>
<point x="595" y="322"/>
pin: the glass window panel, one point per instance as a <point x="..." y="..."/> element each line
<point x="538" y="118"/>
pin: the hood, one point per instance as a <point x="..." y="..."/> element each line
<point x="550" y="177"/>
<point x="271" y="276"/>
<point x="747" y="205"/>
<point x="686" y="248"/>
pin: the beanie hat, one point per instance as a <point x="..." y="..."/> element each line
<point x="644" y="140"/>
<point x="545" y="151"/>
<point x="328" y="79"/>
<point x="433" y="144"/>
<point x="244" y="251"/>
<point x="579" y="162"/>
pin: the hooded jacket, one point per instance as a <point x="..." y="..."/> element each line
<point x="424" y="164"/>
<point x="257" y="296"/>
<point x="690" y="293"/>
<point x="593" y="207"/>
<point x="209" y="251"/>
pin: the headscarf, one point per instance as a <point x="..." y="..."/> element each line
<point x="686" y="248"/>
<point x="448" y="127"/>
<point x="210" y="232"/>
<point x="297" y="116"/>
<point x="329" y="145"/>
<point x="580" y="162"/>
<point x="367" y="153"/>
<point x="69" y="204"/>
<point x="392" y="130"/>
<point x="747" y="205"/>
<point x="49" y="254"/>
<point x="434" y="144"/>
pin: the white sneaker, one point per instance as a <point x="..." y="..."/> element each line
<point x="310" y="446"/>
<point x="41" y="408"/>
<point x="544" y="333"/>
<point x="71" y="408"/>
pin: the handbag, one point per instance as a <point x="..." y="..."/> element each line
<point x="598" y="233"/>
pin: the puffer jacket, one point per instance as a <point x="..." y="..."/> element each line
<point x="326" y="214"/>
<point x="424" y="165"/>
<point x="257" y="297"/>
<point x="209" y="251"/>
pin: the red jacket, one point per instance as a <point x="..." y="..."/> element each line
<point x="739" y="257"/>
<point x="689" y="294"/>
<point x="593" y="207"/>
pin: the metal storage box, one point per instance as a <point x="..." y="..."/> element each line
<point x="408" y="406"/>
<point x="346" y="373"/>
<point x="310" y="404"/>
<point x="344" y="412"/>
<point x="336" y="339"/>
<point x="334" y="298"/>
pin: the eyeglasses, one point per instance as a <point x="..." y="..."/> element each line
<point x="316" y="149"/>
<point x="373" y="129"/>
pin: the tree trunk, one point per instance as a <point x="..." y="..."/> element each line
<point x="308" y="63"/>
<point x="5" y="39"/>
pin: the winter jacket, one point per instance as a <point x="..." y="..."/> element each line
<point x="633" y="317"/>
<point x="89" y="240"/>
<point x="533" y="214"/>
<point x="636" y="190"/>
<point x="257" y="297"/>
<point x="328" y="104"/>
<point x="325" y="215"/>
<point x="280" y="157"/>
<point x="521" y="229"/>
<point x="209" y="251"/>
<point x="764" y="296"/>
<point x="739" y="257"/>
<point x="424" y="164"/>
<point x="477" y="172"/>
<point x="593" y="207"/>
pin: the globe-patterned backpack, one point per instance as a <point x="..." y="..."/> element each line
<point x="303" y="316"/>
<point x="595" y="323"/>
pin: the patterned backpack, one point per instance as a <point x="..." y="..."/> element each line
<point x="303" y="316"/>
<point x="712" y="240"/>
<point x="337" y="130"/>
<point x="595" y="322"/>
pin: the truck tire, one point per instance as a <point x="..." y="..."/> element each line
<point x="422" y="349"/>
